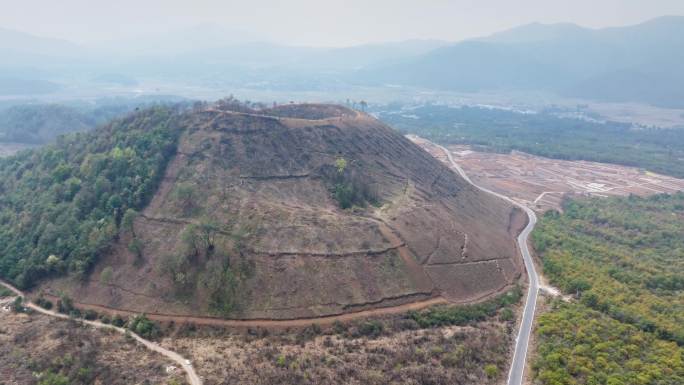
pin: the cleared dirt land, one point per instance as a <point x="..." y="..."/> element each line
<point x="541" y="183"/>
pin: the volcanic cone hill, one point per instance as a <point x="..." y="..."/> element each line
<point x="300" y="211"/>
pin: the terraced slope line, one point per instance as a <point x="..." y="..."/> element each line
<point x="190" y="373"/>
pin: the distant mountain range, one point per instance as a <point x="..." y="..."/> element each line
<point x="640" y="63"/>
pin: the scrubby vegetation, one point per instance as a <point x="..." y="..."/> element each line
<point x="41" y="350"/>
<point x="393" y="350"/>
<point x="62" y="205"/>
<point x="5" y="292"/>
<point x="463" y="315"/>
<point x="44" y="303"/>
<point x="545" y="134"/>
<point x="18" y="305"/>
<point x="623" y="261"/>
<point x="142" y="326"/>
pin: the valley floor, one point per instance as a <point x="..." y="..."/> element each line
<point x="8" y="149"/>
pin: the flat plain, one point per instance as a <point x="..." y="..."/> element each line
<point x="540" y="183"/>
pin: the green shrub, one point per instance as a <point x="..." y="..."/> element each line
<point x="118" y="321"/>
<point x="90" y="315"/>
<point x="65" y="305"/>
<point x="371" y="329"/>
<point x="106" y="275"/>
<point x="136" y="248"/>
<point x="221" y="283"/>
<point x="339" y="327"/>
<point x="463" y="315"/>
<point x="44" y="303"/>
<point x="143" y="327"/>
<point x="506" y="314"/>
<point x="18" y="305"/>
<point x="281" y="361"/>
<point x="453" y="359"/>
<point x="491" y="370"/>
<point x="50" y="378"/>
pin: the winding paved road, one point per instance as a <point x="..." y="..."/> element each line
<point x="517" y="371"/>
<point x="192" y="377"/>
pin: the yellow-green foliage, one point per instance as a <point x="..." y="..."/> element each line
<point x="579" y="345"/>
<point x="623" y="260"/>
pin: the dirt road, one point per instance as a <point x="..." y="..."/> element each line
<point x="268" y="323"/>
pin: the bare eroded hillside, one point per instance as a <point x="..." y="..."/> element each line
<point x="248" y="224"/>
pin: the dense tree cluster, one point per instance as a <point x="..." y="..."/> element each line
<point x="545" y="134"/>
<point x="62" y="205"/>
<point x="209" y="261"/>
<point x="579" y="345"/>
<point x="623" y="261"/>
<point x="348" y="185"/>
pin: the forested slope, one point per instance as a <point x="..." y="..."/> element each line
<point x="623" y="261"/>
<point x="60" y="206"/>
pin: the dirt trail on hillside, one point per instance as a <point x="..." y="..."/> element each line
<point x="265" y="323"/>
<point x="285" y="323"/>
<point x="417" y="271"/>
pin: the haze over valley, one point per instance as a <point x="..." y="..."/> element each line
<point x="434" y="192"/>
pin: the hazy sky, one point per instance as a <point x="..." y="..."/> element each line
<point x="318" y="22"/>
